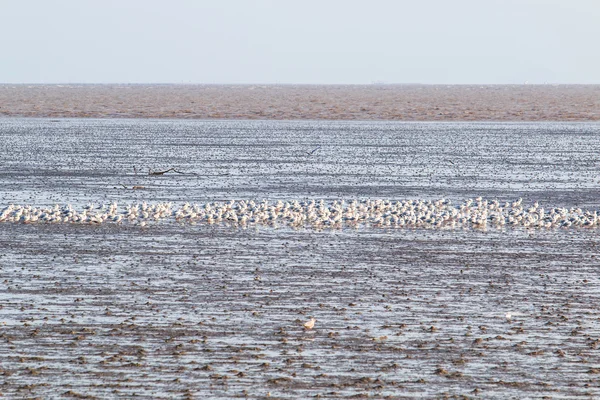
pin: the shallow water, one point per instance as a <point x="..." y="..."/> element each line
<point x="201" y="311"/>
<point x="76" y="161"/>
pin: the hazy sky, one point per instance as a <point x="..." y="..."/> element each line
<point x="307" y="41"/>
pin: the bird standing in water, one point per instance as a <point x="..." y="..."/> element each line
<point x="309" y="324"/>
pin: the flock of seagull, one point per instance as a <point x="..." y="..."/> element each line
<point x="429" y="214"/>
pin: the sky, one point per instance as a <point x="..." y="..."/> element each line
<point x="300" y="42"/>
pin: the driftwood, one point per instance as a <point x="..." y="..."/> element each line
<point x="159" y="173"/>
<point x="155" y="173"/>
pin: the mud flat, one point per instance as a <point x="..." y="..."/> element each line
<point x="307" y="102"/>
<point x="171" y="312"/>
<point x="175" y="310"/>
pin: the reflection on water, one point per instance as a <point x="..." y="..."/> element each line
<point x="78" y="161"/>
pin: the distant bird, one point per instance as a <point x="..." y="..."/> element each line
<point x="310" y="324"/>
<point x="310" y="153"/>
<point x="508" y="316"/>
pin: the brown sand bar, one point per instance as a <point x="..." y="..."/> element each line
<point x="309" y="102"/>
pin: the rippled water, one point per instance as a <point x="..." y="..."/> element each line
<point x="216" y="311"/>
<point x="76" y="161"/>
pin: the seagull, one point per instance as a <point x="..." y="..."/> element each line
<point x="309" y="324"/>
<point x="310" y="153"/>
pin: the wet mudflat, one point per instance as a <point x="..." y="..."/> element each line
<point x="212" y="311"/>
<point x="168" y="312"/>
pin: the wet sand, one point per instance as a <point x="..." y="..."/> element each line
<point x="200" y="311"/>
<point x="307" y="102"/>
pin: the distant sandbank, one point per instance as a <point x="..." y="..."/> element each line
<point x="305" y="102"/>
